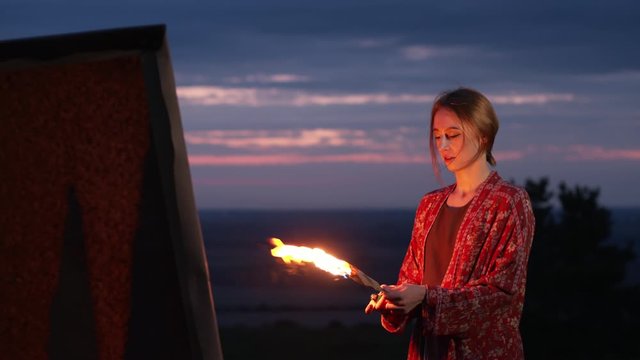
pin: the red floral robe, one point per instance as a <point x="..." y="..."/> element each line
<point x="479" y="303"/>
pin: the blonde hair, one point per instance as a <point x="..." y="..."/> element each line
<point x="475" y="112"/>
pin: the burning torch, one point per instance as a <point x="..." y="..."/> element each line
<point x="329" y="263"/>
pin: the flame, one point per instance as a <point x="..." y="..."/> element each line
<point x="303" y="254"/>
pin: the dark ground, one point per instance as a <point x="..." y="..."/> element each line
<point x="288" y="340"/>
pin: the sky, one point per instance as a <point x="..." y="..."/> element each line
<point x="325" y="104"/>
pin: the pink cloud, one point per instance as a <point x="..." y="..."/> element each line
<point x="530" y="99"/>
<point x="303" y="99"/>
<point x="375" y="42"/>
<point x="259" y="97"/>
<point x="423" y="52"/>
<point x="298" y="159"/>
<point x="581" y="152"/>
<point x="588" y="152"/>
<point x="268" y="182"/>
<point x="509" y="155"/>
<point x="268" y="79"/>
<point x="239" y="181"/>
<point x="375" y="139"/>
<point x="216" y="95"/>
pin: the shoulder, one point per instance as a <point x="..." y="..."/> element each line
<point x="443" y="191"/>
<point x="431" y="199"/>
<point x="509" y="189"/>
<point x="437" y="194"/>
<point x="513" y="204"/>
<point x="508" y="195"/>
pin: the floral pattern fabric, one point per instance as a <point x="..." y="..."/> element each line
<point x="479" y="302"/>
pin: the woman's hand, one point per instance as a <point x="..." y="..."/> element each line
<point x="404" y="297"/>
<point x="396" y="299"/>
<point x="377" y="302"/>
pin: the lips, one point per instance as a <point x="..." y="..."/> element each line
<point x="448" y="159"/>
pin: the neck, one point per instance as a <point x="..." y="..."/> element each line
<point x="471" y="176"/>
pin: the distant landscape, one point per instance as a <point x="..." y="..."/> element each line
<point x="251" y="288"/>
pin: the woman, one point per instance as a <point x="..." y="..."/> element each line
<point x="463" y="276"/>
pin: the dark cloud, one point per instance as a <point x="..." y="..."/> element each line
<point x="568" y="36"/>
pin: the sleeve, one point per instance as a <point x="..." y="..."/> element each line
<point x="395" y="323"/>
<point x="456" y="311"/>
<point x="409" y="272"/>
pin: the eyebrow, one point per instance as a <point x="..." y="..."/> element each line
<point x="449" y="128"/>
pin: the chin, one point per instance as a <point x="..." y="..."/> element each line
<point x="455" y="167"/>
<point x="452" y="168"/>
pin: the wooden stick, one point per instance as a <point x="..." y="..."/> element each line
<point x="361" y="278"/>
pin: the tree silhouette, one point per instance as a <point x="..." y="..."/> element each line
<point x="576" y="305"/>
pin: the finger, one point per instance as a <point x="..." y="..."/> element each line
<point x="391" y="306"/>
<point x="397" y="303"/>
<point x="380" y="303"/>
<point x="387" y="288"/>
<point x="395" y="309"/>
<point x="372" y="303"/>
<point x="393" y="295"/>
<point x="369" y="308"/>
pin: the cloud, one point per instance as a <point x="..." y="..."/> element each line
<point x="318" y="140"/>
<point x="268" y="180"/>
<point x="215" y="95"/>
<point x="239" y="181"/>
<point x="509" y="155"/>
<point x="596" y="153"/>
<point x="301" y="138"/>
<point x="424" y="52"/>
<point x="624" y="76"/>
<point x="531" y="99"/>
<point x="370" y="43"/>
<point x="403" y="145"/>
<point x="268" y="79"/>
<point x="300" y="159"/>
<point x="307" y="146"/>
<point x="319" y="145"/>
<point x="255" y="97"/>
<point x="289" y="159"/>
<point x="260" y="97"/>
<point x="572" y="153"/>
<point x="575" y="152"/>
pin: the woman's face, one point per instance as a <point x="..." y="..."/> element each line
<point x="457" y="146"/>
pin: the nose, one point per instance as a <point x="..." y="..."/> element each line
<point x="444" y="143"/>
